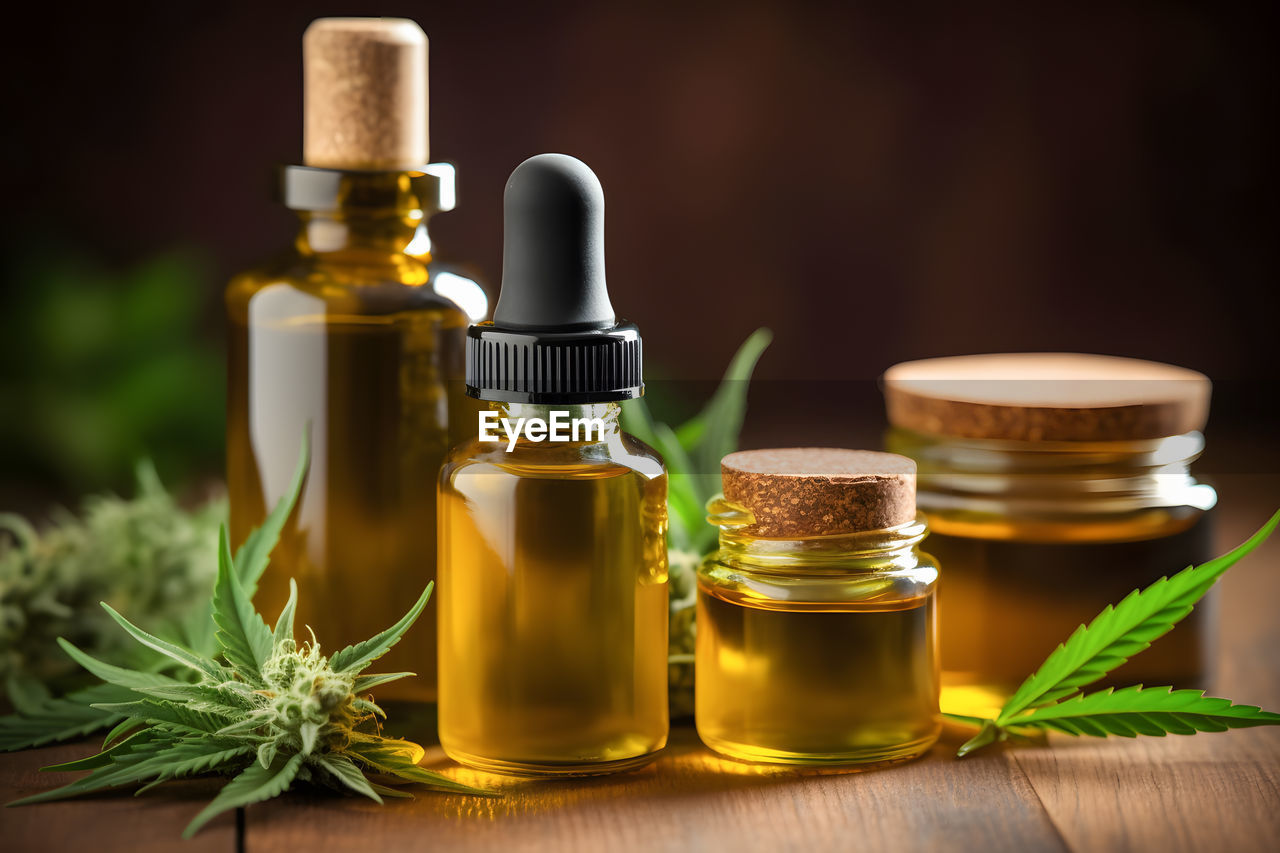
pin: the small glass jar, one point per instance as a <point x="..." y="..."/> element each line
<point x="1054" y="485"/>
<point x="816" y="638"/>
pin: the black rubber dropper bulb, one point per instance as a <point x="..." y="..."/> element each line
<point x="553" y="248"/>
<point x="554" y="336"/>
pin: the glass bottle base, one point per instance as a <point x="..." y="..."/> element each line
<point x="867" y="757"/>
<point x="550" y="770"/>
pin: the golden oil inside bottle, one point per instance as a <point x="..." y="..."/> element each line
<point x="553" y="619"/>
<point x="1055" y="485"/>
<point x="365" y="368"/>
<point x="835" y="682"/>
<point x="1008" y="602"/>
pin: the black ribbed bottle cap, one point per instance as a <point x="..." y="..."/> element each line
<point x="554" y="337"/>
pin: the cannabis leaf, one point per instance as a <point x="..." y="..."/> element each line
<point x="286" y="716"/>
<point x="244" y="637"/>
<point x="1050" y="698"/>
<point x="357" y="657"/>
<point x="254" y="784"/>
<point x="1133" y="711"/>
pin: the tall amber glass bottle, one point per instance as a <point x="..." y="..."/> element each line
<point x="357" y="335"/>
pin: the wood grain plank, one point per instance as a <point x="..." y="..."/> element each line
<point x="689" y="799"/>
<point x="1206" y="792"/>
<point x="1220" y="792"/>
<point x="104" y="823"/>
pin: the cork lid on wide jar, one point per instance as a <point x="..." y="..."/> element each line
<point x="1046" y="397"/>
<point x="820" y="491"/>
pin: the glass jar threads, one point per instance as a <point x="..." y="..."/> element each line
<point x="816" y="640"/>
<point x="1054" y="484"/>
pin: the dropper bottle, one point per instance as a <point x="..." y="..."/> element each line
<point x="356" y="334"/>
<point x="552" y="520"/>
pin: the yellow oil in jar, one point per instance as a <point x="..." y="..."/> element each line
<point x="553" y="607"/>
<point x="836" y="682"/>
<point x="1013" y="593"/>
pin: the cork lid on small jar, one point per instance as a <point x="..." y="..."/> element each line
<point x="1046" y="397"/>
<point x="820" y="491"/>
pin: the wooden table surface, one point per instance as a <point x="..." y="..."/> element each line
<point x="1207" y="792"/>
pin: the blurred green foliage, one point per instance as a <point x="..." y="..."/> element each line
<point x="99" y="368"/>
<point x="145" y="554"/>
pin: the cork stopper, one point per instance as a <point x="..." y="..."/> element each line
<point x="1046" y="397"/>
<point x="820" y="491"/>
<point x="364" y="94"/>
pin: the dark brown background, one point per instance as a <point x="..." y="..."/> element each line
<point x="875" y="183"/>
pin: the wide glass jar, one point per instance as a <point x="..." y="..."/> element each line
<point x="816" y="640"/>
<point x="1054" y="485"/>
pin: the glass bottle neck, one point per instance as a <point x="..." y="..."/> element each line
<point x="353" y="216"/>
<point x="1022" y="478"/>
<point x="870" y="550"/>
<point x="364" y="235"/>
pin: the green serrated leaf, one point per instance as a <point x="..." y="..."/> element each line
<point x="115" y="674"/>
<point x="254" y="785"/>
<point x="1119" y="632"/>
<point x="392" y="757"/>
<point x="246" y="726"/>
<point x="284" y="625"/>
<point x="197" y="755"/>
<point x="133" y="764"/>
<point x="395" y="793"/>
<point x="242" y="636"/>
<point x="224" y="700"/>
<point x="119" y="730"/>
<point x="63" y="718"/>
<point x="357" y="657"/>
<point x="344" y="770"/>
<point x="170" y="715"/>
<point x="989" y="733"/>
<point x="1154" y="711"/>
<point x="254" y="553"/>
<point x="101" y="759"/>
<point x="175" y="652"/>
<point x="364" y="706"/>
<point x="368" y="682"/>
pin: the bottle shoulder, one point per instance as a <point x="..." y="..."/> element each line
<point x="297" y="285"/>
<point x="770" y="582"/>
<point x="621" y="455"/>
